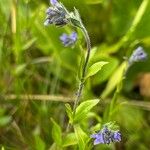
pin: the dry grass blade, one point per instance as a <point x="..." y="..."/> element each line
<point x="59" y="98"/>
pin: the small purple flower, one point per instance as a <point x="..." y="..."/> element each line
<point x="117" y="136"/>
<point x="99" y="138"/>
<point x="56" y="14"/>
<point x="53" y="2"/>
<point x="106" y="136"/>
<point x="68" y="40"/>
<point x="59" y="16"/>
<point x="138" y="55"/>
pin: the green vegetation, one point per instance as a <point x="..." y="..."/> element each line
<point x="39" y="76"/>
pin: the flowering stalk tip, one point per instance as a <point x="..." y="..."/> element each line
<point x="138" y="55"/>
<point x="56" y="14"/>
<point x="59" y="16"/>
<point x="106" y="136"/>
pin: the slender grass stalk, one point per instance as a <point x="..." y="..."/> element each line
<point x="13" y="17"/>
<point x="137" y="19"/>
<point x="61" y="98"/>
<point x="57" y="98"/>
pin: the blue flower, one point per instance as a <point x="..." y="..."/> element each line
<point x="117" y="136"/>
<point x="56" y="14"/>
<point x="106" y="136"/>
<point x="68" y="40"/>
<point x="99" y="138"/>
<point x="53" y="2"/>
<point x="138" y="55"/>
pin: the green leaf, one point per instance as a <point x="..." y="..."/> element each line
<point x="29" y="43"/>
<point x="4" y="120"/>
<point x="69" y="112"/>
<point x="94" y="1"/>
<point x="2" y="148"/>
<point x="19" y="69"/>
<point x="138" y="17"/>
<point x="114" y="80"/>
<point x="81" y="137"/>
<point x="93" y="53"/>
<point x="39" y="143"/>
<point x="69" y="139"/>
<point x="56" y="133"/>
<point x="77" y="15"/>
<point x="84" y="108"/>
<point x="75" y="22"/>
<point x="55" y="147"/>
<point x="106" y="71"/>
<point x="95" y="68"/>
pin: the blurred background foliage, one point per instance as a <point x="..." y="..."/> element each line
<point x="33" y="63"/>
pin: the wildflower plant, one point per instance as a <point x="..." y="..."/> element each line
<point x="138" y="55"/>
<point x="106" y="136"/>
<point x="68" y="40"/>
<point x="59" y="16"/>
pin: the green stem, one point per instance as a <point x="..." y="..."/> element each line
<point x="81" y="84"/>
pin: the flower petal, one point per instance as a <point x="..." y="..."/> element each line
<point x="53" y="2"/>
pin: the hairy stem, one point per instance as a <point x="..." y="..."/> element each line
<point x="81" y="84"/>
